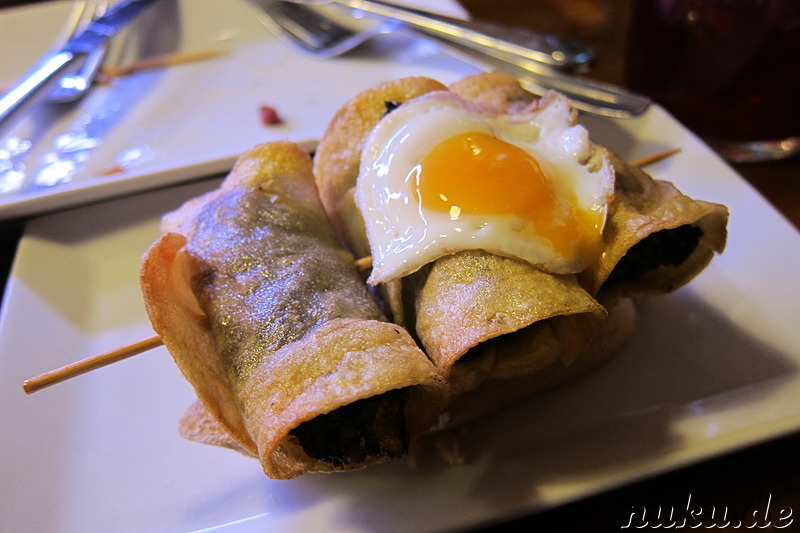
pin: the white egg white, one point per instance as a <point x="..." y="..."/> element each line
<point x="404" y="235"/>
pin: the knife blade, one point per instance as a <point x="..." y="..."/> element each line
<point x="35" y="83"/>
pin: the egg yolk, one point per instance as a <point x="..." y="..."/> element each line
<point x="475" y="173"/>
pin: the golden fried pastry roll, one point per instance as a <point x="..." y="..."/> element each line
<point x="500" y="391"/>
<point x="481" y="316"/>
<point x="267" y="317"/>
<point x="656" y="238"/>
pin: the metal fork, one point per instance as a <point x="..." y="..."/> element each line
<point x="316" y="33"/>
<point x="72" y="87"/>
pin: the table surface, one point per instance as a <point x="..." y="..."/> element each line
<point x="737" y="481"/>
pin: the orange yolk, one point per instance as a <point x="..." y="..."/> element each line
<point x="476" y="173"/>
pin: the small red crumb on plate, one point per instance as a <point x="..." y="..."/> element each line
<point x="269" y="116"/>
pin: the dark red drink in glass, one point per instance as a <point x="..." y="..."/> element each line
<point x="727" y="69"/>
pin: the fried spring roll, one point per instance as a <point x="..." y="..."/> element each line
<point x="481" y="316"/>
<point x="268" y="319"/>
<point x="657" y="239"/>
<point x="500" y="391"/>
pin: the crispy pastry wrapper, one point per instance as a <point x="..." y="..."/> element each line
<point x="177" y="317"/>
<point x="656" y="238"/>
<point x="470" y="298"/>
<point x="500" y="391"/>
<point x="268" y="319"/>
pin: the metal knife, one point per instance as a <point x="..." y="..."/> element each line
<point x="586" y="94"/>
<point x="52" y="65"/>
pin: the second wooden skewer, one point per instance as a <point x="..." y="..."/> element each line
<point x="90" y="363"/>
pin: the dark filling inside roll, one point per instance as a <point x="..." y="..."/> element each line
<point x="669" y="247"/>
<point x="373" y="427"/>
<point x="390" y="106"/>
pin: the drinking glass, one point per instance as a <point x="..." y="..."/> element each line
<point x="729" y="70"/>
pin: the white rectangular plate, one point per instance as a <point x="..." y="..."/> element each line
<point x="171" y="125"/>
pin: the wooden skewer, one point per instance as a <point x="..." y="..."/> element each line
<point x="653" y="158"/>
<point x="161" y="62"/>
<point x="104" y="359"/>
<point x="364" y="263"/>
<point x="98" y="361"/>
<point x="90" y="363"/>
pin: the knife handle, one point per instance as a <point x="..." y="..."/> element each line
<point x="32" y="85"/>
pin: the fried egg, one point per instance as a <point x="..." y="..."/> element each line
<point x="437" y="177"/>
